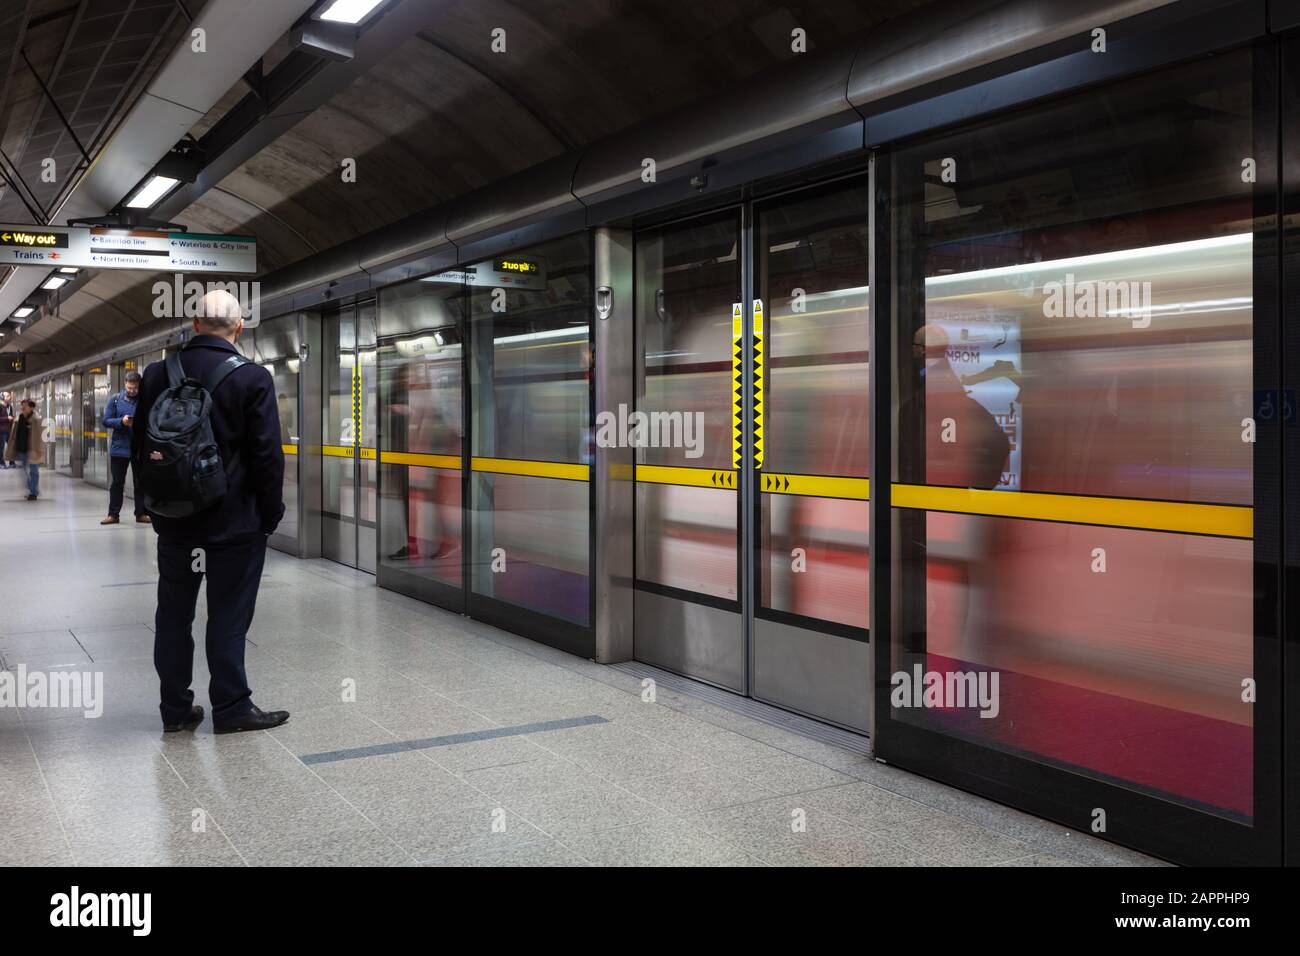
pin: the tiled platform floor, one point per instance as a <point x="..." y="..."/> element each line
<point x="678" y="781"/>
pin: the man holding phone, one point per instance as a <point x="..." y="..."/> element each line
<point x="119" y="415"/>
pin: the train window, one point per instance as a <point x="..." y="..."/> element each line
<point x="1073" y="294"/>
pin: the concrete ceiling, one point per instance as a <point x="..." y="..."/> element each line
<point x="443" y="114"/>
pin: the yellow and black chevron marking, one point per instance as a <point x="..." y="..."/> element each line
<point x="737" y="378"/>
<point x="693" y="477"/>
<point x="758" y="383"/>
<point x="817" y="486"/>
<point x="356" y="402"/>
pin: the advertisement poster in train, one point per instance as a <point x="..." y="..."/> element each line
<point x="984" y="353"/>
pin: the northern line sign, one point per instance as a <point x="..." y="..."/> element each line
<point x="101" y="247"/>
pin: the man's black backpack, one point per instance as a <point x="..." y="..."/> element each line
<point x="181" y="469"/>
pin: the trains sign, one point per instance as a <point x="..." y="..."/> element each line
<point x="100" y="247"/>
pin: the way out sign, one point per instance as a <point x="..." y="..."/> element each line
<point x="101" y="247"/>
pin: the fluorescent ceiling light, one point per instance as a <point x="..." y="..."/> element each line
<point x="69" y="270"/>
<point x="151" y="192"/>
<point x="23" y="311"/>
<point x="580" y="331"/>
<point x="1120" y="255"/>
<point x="54" y="282"/>
<point x="348" y="11"/>
<point x="1237" y="304"/>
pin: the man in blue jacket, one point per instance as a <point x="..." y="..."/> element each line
<point x="119" y="416"/>
<point x="227" y="542"/>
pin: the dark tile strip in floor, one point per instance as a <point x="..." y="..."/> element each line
<point x="426" y="743"/>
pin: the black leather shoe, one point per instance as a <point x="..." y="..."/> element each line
<point x="255" y="719"/>
<point x="189" y="723"/>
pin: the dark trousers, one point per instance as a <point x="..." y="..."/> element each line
<point x="4" y="440"/>
<point x="118" y="467"/>
<point x="234" y="573"/>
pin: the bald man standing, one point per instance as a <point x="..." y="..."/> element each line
<point x="226" y="541"/>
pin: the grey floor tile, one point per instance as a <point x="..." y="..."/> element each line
<point x="696" y="791"/>
<point x="541" y="853"/>
<point x="662" y="842"/>
<point x="482" y="829"/>
<point x="780" y="831"/>
<point x="593" y="807"/>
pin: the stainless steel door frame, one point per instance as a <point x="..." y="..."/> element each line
<point x="613" y="528"/>
<point x="311" y="365"/>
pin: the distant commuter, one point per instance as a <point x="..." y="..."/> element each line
<point x="213" y="505"/>
<point x="26" y="446"/>
<point x="119" y="415"/>
<point x="965" y="447"/>
<point x="6" y="424"/>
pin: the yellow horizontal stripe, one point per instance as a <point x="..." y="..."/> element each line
<point x="289" y="449"/>
<point x="725" y="478"/>
<point x="420" y="460"/>
<point x="367" y="454"/>
<point x="531" y="469"/>
<point x="1231" y="521"/>
<point x="817" y="486"/>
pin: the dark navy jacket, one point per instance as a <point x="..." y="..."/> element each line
<point x="118" y="406"/>
<point x="246" y="425"/>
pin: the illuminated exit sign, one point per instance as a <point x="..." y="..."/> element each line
<point x="100" y="247"/>
<point x="523" y="267"/>
<point x="29" y="239"/>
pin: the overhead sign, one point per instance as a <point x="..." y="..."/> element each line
<point x="512" y="273"/>
<point x="525" y="267"/>
<point x="15" y="362"/>
<point x="100" y="247"/>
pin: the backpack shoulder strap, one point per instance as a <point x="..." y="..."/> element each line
<point x="218" y="374"/>
<point x="175" y="371"/>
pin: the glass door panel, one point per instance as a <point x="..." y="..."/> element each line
<point x="1082" y="530"/>
<point x="421" y="388"/>
<point x="809" y="642"/>
<point x="686" y="429"/>
<point x="530" y="505"/>
<point x="348" y="419"/>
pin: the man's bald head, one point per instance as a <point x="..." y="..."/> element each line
<point x="930" y="343"/>
<point x="219" y="314"/>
